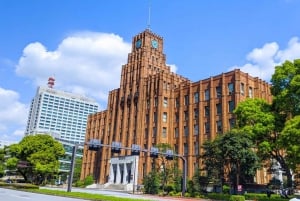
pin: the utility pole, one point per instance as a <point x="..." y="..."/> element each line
<point x="72" y="166"/>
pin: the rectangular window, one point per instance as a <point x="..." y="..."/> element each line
<point x="206" y="127"/>
<point x="231" y="123"/>
<point x="186" y="100"/>
<point x="196" y="97"/>
<point x="177" y="102"/>
<point x="206" y="94"/>
<point x="154" y="132"/>
<point x="186" y="130"/>
<point x="186" y="149"/>
<point x="175" y="148"/>
<point x="242" y="89"/>
<point x="196" y="129"/>
<point x="196" y="113"/>
<point x="155" y="117"/>
<point x="164" y="132"/>
<point x="219" y="108"/>
<point x="206" y="111"/>
<point x="230" y="88"/>
<point x="146" y="133"/>
<point x="155" y="102"/>
<point x="147" y="118"/>
<point x="196" y="148"/>
<point x="176" y="132"/>
<point x="250" y="92"/>
<point x="165" y="117"/>
<point x="186" y="115"/>
<point x="219" y="126"/>
<point x="231" y="106"/>
<point x="218" y="92"/>
<point x="165" y="102"/>
<point x="176" y="117"/>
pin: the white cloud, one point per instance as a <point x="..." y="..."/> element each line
<point x="88" y="63"/>
<point x="262" y="61"/>
<point x="173" y="67"/>
<point x="13" y="114"/>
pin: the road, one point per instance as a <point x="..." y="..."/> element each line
<point x="14" y="195"/>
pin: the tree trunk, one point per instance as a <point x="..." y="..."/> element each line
<point x="286" y="169"/>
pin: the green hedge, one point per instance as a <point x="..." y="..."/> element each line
<point x="19" y="185"/>
<point x="263" y="197"/>
<point x="218" y="196"/>
<point x="237" y="198"/>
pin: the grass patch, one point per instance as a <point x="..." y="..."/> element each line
<point x="87" y="196"/>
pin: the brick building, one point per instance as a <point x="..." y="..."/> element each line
<point x="154" y="105"/>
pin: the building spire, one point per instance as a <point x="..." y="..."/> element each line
<point x="149" y="14"/>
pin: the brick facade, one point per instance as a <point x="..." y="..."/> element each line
<point x="154" y="105"/>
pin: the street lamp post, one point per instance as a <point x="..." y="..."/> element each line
<point x="70" y="178"/>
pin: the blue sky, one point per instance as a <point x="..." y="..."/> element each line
<point x="84" y="43"/>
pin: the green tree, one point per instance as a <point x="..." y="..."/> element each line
<point x="36" y="157"/>
<point x="257" y="117"/>
<point x="200" y="182"/>
<point x="2" y="162"/>
<point x="286" y="105"/>
<point x="290" y="140"/>
<point x="233" y="153"/>
<point x="272" y="126"/>
<point x="151" y="182"/>
<point x="167" y="169"/>
<point x="213" y="160"/>
<point x="286" y="88"/>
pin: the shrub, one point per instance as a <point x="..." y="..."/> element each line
<point x="169" y="188"/>
<point x="79" y="183"/>
<point x="19" y="185"/>
<point x="226" y="189"/>
<point x="218" y="196"/>
<point x="151" y="183"/>
<point x="187" y="194"/>
<point x="237" y="198"/>
<point x="88" y="180"/>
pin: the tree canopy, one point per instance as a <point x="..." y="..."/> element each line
<point x="274" y="128"/>
<point x="231" y="156"/>
<point x="1" y="162"/>
<point x="35" y="157"/>
<point x="286" y="88"/>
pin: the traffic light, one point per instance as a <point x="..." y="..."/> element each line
<point x="135" y="149"/>
<point x="169" y="154"/>
<point x="94" y="145"/>
<point x="154" y="152"/>
<point x="116" y="147"/>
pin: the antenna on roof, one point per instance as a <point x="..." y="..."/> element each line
<point x="149" y="14"/>
<point x="51" y="82"/>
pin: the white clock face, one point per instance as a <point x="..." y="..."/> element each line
<point x="154" y="43"/>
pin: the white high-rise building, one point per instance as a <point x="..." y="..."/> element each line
<point x="61" y="114"/>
